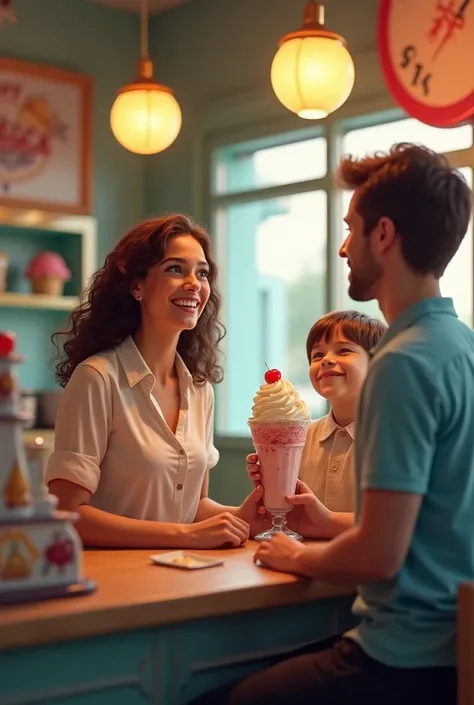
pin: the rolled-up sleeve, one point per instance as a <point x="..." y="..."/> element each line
<point x="212" y="452"/>
<point x="82" y="430"/>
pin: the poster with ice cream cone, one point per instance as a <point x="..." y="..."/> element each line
<point x="45" y="138"/>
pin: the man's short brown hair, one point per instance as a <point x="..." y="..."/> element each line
<point x="357" y="327"/>
<point x="427" y="200"/>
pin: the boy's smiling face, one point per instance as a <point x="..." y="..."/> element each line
<point x="338" y="367"/>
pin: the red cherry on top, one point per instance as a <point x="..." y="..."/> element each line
<point x="7" y="343"/>
<point x="272" y="376"/>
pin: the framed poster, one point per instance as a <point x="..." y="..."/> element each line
<point x="426" y="50"/>
<point x="45" y="138"/>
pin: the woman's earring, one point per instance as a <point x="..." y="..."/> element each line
<point x="138" y="297"/>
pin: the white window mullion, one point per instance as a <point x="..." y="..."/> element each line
<point x="334" y="220"/>
<point x="219" y="228"/>
<point x="232" y="199"/>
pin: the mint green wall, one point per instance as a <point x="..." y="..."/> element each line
<point x="216" y="55"/>
<point x="103" y="43"/>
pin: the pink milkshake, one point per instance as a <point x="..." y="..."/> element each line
<point x="279" y="446"/>
<point x="280" y="419"/>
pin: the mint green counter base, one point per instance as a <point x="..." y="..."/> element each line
<point x="168" y="665"/>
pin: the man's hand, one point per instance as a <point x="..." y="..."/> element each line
<point x="281" y="553"/>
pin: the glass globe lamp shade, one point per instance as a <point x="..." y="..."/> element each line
<point x="312" y="73"/>
<point x="313" y="76"/>
<point x="145" y="117"/>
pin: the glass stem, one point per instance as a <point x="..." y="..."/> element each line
<point x="279" y="522"/>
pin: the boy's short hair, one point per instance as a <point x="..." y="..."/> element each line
<point x="357" y="327"/>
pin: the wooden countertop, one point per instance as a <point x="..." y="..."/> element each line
<point x="134" y="594"/>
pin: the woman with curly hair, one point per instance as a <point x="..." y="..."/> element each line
<point x="134" y="432"/>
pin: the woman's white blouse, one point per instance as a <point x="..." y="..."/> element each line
<point x="112" y="439"/>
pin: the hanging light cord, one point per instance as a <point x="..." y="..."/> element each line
<point x="144" y="29"/>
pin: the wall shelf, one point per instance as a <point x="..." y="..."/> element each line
<point x="38" y="301"/>
<point x="34" y="318"/>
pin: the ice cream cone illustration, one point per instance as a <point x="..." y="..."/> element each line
<point x="35" y="112"/>
<point x="48" y="272"/>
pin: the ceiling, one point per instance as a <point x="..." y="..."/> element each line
<point x="154" y="6"/>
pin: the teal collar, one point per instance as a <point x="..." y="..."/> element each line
<point x="426" y="307"/>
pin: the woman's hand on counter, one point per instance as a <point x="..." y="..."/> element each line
<point x="217" y="531"/>
<point x="98" y="528"/>
<point x="253" y="512"/>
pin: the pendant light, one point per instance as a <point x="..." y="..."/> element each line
<point x="312" y="72"/>
<point x="145" y="117"/>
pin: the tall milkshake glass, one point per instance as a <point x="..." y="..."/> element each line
<point x="279" y="422"/>
<point x="279" y="446"/>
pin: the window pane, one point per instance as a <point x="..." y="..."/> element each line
<point x="457" y="281"/>
<point x="243" y="168"/>
<point x="274" y="256"/>
<point x="381" y="137"/>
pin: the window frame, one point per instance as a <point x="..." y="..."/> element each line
<point x="211" y="205"/>
<point x="216" y="204"/>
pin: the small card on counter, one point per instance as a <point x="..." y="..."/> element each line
<point x="185" y="560"/>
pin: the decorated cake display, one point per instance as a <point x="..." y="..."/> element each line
<point x="40" y="551"/>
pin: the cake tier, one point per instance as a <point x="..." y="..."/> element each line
<point x="39" y="554"/>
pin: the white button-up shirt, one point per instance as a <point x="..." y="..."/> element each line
<point x="327" y="464"/>
<point x="112" y="439"/>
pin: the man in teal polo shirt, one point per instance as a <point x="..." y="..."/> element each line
<point x="412" y="541"/>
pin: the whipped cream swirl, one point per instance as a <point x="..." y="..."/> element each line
<point x="279" y="402"/>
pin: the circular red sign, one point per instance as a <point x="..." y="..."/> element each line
<point x="426" y="49"/>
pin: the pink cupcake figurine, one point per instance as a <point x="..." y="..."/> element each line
<point x="48" y="272"/>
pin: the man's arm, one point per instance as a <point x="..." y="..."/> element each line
<point x="375" y="549"/>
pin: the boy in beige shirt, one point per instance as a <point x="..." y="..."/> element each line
<point x="338" y="348"/>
